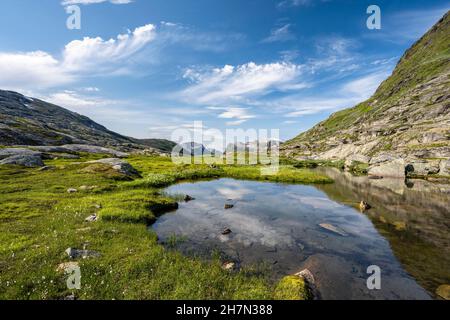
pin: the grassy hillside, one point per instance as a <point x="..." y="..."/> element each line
<point x="40" y="220"/>
<point x="29" y="121"/>
<point x="416" y="92"/>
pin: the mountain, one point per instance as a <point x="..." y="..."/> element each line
<point x="160" y="144"/>
<point x="29" y="121"/>
<point x="408" y="117"/>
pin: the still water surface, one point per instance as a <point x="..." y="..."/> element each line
<point x="277" y="227"/>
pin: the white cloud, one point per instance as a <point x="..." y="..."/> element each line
<point x="347" y="95"/>
<point x="279" y="34"/>
<point x="90" y="56"/>
<point x="230" y="83"/>
<point x="236" y="113"/>
<point x="76" y="102"/>
<point x="80" y="55"/>
<point x="31" y="69"/>
<point x="364" y="87"/>
<point x="298" y="3"/>
<point x="87" y="2"/>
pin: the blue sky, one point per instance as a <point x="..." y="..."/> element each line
<point x="147" y="67"/>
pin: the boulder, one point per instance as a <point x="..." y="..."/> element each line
<point x="363" y="206"/>
<point x="119" y="165"/>
<point x="62" y="156"/>
<point x="444" y="169"/>
<point x="357" y="158"/>
<point x="24" y="160"/>
<point x="392" y="169"/>
<point x="422" y="167"/>
<point x="9" y="152"/>
<point x="51" y="149"/>
<point x="381" y="158"/>
<point x="95" y="149"/>
<point x="293" y="287"/>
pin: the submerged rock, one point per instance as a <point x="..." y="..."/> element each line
<point x="333" y="229"/>
<point x="188" y="198"/>
<point x="226" y="231"/>
<point x="228" y="206"/>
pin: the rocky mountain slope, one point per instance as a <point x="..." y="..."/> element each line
<point x="406" y="120"/>
<point x="33" y="122"/>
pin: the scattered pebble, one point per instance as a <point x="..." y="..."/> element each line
<point x="226" y="231"/>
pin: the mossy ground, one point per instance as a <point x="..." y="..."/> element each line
<point x="39" y="220"/>
<point x="292" y="288"/>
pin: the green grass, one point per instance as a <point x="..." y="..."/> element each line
<point x="39" y="220"/>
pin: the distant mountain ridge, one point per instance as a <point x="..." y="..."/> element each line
<point x="407" y="117"/>
<point x="30" y="121"/>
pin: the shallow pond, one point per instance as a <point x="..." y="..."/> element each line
<point x="277" y="228"/>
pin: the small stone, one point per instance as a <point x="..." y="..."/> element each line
<point x="229" y="266"/>
<point x="399" y="225"/>
<point x="307" y="275"/>
<point x="226" y="231"/>
<point x="228" y="206"/>
<point x="91" y="218"/>
<point x="72" y="190"/>
<point x="67" y="266"/>
<point x="443" y="291"/>
<point x="76" y="253"/>
<point x="46" y="168"/>
<point x="363" y="206"/>
<point x="188" y="198"/>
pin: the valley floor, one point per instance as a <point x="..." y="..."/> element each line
<point x="40" y="220"/>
